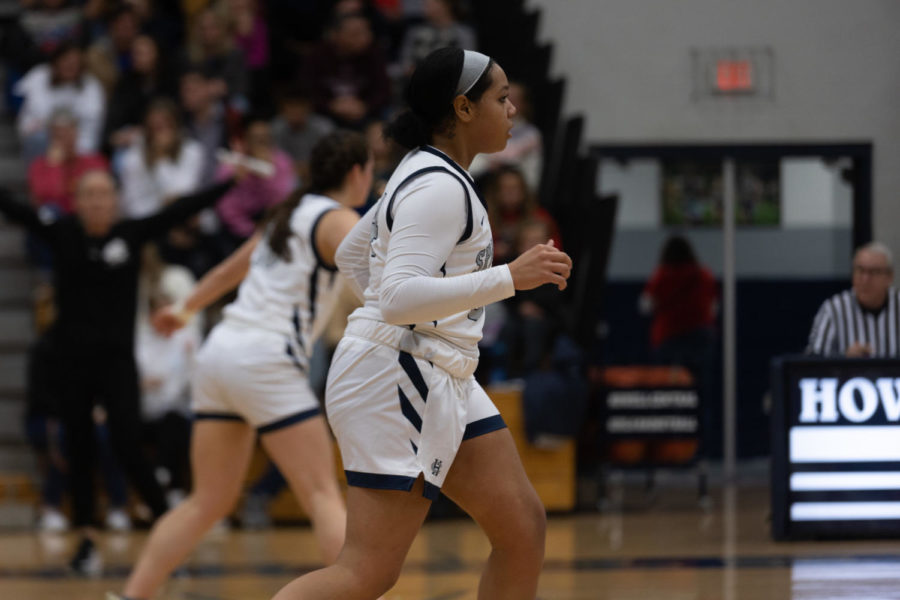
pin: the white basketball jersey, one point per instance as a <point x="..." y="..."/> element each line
<point x="295" y="297"/>
<point x="473" y="252"/>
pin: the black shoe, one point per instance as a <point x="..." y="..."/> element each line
<point x="87" y="559"/>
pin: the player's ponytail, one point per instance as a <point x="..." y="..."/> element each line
<point x="332" y="159"/>
<point x="441" y="77"/>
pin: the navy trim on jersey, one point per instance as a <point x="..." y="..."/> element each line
<point x="313" y="292"/>
<point x="217" y="416"/>
<point x="400" y="483"/>
<point x="409" y="411"/>
<point x="295" y="321"/>
<point x="455" y="165"/>
<point x="288" y="421"/>
<point x="312" y="240"/>
<point x="415" y="375"/>
<point x="483" y="426"/>
<point x="470" y="224"/>
<point x="289" y="350"/>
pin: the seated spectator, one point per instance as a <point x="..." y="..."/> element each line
<point x="41" y="28"/>
<point x="861" y="322"/>
<point x="212" y="50"/>
<point x="525" y="148"/>
<point x="533" y="316"/>
<point x="149" y="78"/>
<point x="682" y="297"/>
<point x="204" y="119"/>
<point x="348" y="73"/>
<point x="53" y="177"/>
<point x="510" y="203"/>
<point x="251" y="36"/>
<point x="160" y="165"/>
<point x="386" y="155"/>
<point x="61" y="83"/>
<point x="442" y="28"/>
<point x="110" y="55"/>
<point x="297" y="128"/>
<point x="243" y="206"/>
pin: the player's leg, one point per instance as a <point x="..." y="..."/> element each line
<point x="488" y="481"/>
<point x="304" y="454"/>
<point x="220" y="453"/>
<point x="381" y="526"/>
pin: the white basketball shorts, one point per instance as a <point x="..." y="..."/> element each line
<point x="250" y="374"/>
<point x="396" y="415"/>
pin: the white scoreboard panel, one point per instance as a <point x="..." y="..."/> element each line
<point x="835" y="448"/>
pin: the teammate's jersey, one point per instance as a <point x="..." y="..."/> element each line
<point x="293" y="297"/>
<point x="430" y="173"/>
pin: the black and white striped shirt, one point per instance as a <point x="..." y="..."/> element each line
<point x="841" y="322"/>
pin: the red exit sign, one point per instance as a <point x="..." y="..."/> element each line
<point x="734" y="76"/>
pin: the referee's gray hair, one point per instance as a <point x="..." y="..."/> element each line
<point x="881" y="249"/>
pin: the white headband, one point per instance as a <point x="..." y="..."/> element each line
<point x="474" y="65"/>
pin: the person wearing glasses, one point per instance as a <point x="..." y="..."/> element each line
<point x="864" y="321"/>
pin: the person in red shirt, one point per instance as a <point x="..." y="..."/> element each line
<point x="682" y="297"/>
<point x="52" y="177"/>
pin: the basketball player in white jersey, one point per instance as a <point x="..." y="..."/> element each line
<point x="251" y="374"/>
<point x="401" y="399"/>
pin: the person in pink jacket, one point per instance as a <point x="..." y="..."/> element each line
<point x="247" y="201"/>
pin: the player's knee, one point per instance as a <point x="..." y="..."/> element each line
<point x="213" y="507"/>
<point x="374" y="578"/>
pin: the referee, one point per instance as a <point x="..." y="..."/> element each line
<point x="862" y="322"/>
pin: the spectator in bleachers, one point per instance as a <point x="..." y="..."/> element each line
<point x="442" y="27"/>
<point x="110" y="55"/>
<point x="60" y="83"/>
<point x="41" y="28"/>
<point x="525" y="148"/>
<point x="52" y="178"/>
<point x="251" y="36"/>
<point x="386" y="155"/>
<point x="212" y="49"/>
<point x="96" y="261"/>
<point x="160" y="165"/>
<point x="150" y="77"/>
<point x="244" y="205"/>
<point x="348" y="73"/>
<point x="204" y="116"/>
<point x="510" y="203"/>
<point x="165" y="363"/>
<point x="297" y="128"/>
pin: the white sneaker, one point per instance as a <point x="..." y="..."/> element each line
<point x="52" y="521"/>
<point x="118" y="520"/>
<point x="87" y="560"/>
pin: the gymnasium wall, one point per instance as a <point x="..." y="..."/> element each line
<point x="629" y="70"/>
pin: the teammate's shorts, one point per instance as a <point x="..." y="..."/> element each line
<point x="249" y="374"/>
<point x="396" y="415"/>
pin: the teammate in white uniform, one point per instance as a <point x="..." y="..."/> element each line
<point x="251" y="374"/>
<point x="401" y="399"/>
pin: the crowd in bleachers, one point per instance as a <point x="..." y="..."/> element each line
<point x="164" y="94"/>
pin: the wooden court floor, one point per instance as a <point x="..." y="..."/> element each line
<point x="667" y="548"/>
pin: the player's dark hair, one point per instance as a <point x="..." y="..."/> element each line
<point x="677" y="251"/>
<point x="332" y="158"/>
<point x="430" y="95"/>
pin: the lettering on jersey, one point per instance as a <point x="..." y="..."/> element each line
<point x="374" y="229"/>
<point x="483" y="260"/>
<point x="436" y="467"/>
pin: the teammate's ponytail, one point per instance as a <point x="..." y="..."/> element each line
<point x="332" y="159"/>
<point x="444" y="74"/>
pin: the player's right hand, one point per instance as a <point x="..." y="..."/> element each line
<point x="167" y="321"/>
<point x="541" y="264"/>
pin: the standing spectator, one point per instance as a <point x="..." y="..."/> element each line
<point x="161" y="165"/>
<point x="682" y="297"/>
<point x="110" y="56"/>
<point x="150" y="77"/>
<point x="204" y="117"/>
<point x="348" y="73"/>
<point x="442" y="28"/>
<point x="61" y="83"/>
<point x="244" y="205"/>
<point x="251" y="36"/>
<point x="212" y="50"/>
<point x="96" y="261"/>
<point x="511" y="203"/>
<point x="52" y="178"/>
<point x="525" y="148"/>
<point x="297" y="128"/>
<point x="864" y="321"/>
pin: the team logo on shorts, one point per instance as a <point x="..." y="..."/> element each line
<point x="436" y="467"/>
